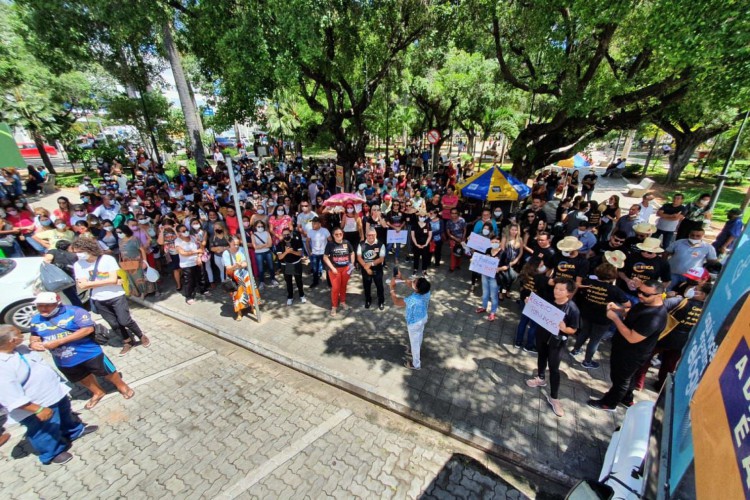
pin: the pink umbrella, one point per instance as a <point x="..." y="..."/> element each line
<point x="341" y="199"/>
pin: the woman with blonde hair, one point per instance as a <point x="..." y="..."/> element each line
<point x="510" y="259"/>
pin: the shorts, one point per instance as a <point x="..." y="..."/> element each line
<point x="173" y="263"/>
<point x="98" y="365"/>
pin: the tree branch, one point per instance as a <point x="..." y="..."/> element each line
<point x="605" y="37"/>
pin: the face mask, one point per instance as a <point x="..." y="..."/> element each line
<point x="498" y="215"/>
<point x="495" y="246"/>
<point x="279" y="212"/>
<point x="82" y="255"/>
<point x="566" y="254"/>
<point x="261" y="211"/>
<point x="196" y="226"/>
<point x="485" y="232"/>
<point x="85" y="200"/>
<point x="422" y="219"/>
<point x="349" y="210"/>
<point x="151" y="232"/>
<point x="120" y="234"/>
<point x="260" y="229"/>
<point x="45" y="222"/>
<point x="142" y="221"/>
<point x="694" y="242"/>
<point x="134" y="228"/>
<point x="690" y="293"/>
<point x="61" y="226"/>
<point x="287" y="237"/>
<point x="52" y="312"/>
<point x="543" y="269"/>
<point x="19" y="205"/>
<point x="12" y="213"/>
<point x="108" y="228"/>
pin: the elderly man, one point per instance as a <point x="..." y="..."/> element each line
<point x="685" y="255"/>
<point x="66" y="331"/>
<point x="37" y="398"/>
<point x="371" y="256"/>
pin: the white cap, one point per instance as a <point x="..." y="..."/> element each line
<point x="47" y="298"/>
<point x="362" y="186"/>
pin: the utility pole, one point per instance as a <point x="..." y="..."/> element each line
<point x="721" y="179"/>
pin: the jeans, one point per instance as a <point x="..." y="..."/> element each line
<point x="316" y="267"/>
<point x="116" y="313"/>
<point x="676" y="280"/>
<point x="72" y="294"/>
<point x="550" y="350"/>
<point x="489" y="293"/>
<point x="531" y="339"/>
<point x="265" y="262"/>
<point x="215" y="269"/>
<point x="416" y="334"/>
<point x="396" y="247"/>
<point x="593" y="332"/>
<point x="586" y="194"/>
<point x="667" y="237"/>
<point x="368" y="280"/>
<point x="53" y="436"/>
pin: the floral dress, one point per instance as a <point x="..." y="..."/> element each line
<point x="244" y="296"/>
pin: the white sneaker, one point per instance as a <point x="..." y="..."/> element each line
<point x="536" y="382"/>
<point x="261" y="286"/>
<point x="289" y="302"/>
<point x="303" y="300"/>
<point x="274" y="283"/>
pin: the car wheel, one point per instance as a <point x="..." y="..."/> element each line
<point x="20" y="315"/>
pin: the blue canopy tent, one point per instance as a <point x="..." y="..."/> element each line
<point x="494" y="184"/>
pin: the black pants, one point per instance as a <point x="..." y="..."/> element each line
<point x="368" y="280"/>
<point x="438" y="253"/>
<point x="290" y="286"/>
<point x="116" y="313"/>
<point x="623" y="367"/>
<point x="421" y="256"/>
<point x="549" y="353"/>
<point x="191" y="280"/>
<point x="506" y="278"/>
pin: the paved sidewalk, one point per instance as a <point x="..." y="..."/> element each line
<point x="472" y="383"/>
<point x="210" y="420"/>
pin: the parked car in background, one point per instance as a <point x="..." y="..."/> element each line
<point x="18" y="278"/>
<point x="29" y="150"/>
<point x="225" y="142"/>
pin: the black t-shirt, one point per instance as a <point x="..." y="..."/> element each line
<point x="536" y="283"/>
<point x="646" y="321"/>
<point x="687" y="312"/>
<point x="396" y="218"/>
<point x="339" y="253"/>
<point x="570" y="267"/>
<point x="421" y="233"/>
<point x="539" y="214"/>
<point x="594" y="295"/>
<point x="637" y="266"/>
<point x="370" y="253"/>
<point x="295" y="244"/>
<point x="669" y="209"/>
<point x="546" y="255"/>
<point x="572" y="317"/>
<point x="218" y="242"/>
<point x="589" y="179"/>
<point x="380" y="230"/>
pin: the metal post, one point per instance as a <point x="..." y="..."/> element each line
<point x="432" y="158"/>
<point x="730" y="159"/>
<point x="243" y="235"/>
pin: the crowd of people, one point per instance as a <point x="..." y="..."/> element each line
<point x="617" y="272"/>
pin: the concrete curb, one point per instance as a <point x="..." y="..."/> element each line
<point x="472" y="437"/>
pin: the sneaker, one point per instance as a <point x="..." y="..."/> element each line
<point x="303" y="300"/>
<point x="206" y="292"/>
<point x="575" y="352"/>
<point x="536" y="382"/>
<point x="344" y="306"/>
<point x="190" y="302"/>
<point x="367" y="305"/>
<point x="89" y="429"/>
<point x="556" y="406"/>
<point x="145" y="342"/>
<point x="381" y="307"/>
<point x="289" y="302"/>
<point x="598" y="405"/>
<point x="274" y="283"/>
<point x="126" y="347"/>
<point x="656" y="362"/>
<point x="480" y="310"/>
<point x="517" y="345"/>
<point x="333" y="311"/>
<point x="491" y="317"/>
<point x="590" y="365"/>
<point x="627" y="405"/>
<point x="62" y="458"/>
<point x="410" y="366"/>
<point x="530" y="349"/>
<point x="314" y="284"/>
<point x="262" y="286"/>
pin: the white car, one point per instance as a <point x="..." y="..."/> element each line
<point x="17" y="282"/>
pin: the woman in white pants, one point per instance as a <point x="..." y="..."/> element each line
<point x="416" y="306"/>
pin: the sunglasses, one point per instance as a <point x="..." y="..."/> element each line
<point x="646" y="294"/>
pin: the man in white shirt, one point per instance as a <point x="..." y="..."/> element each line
<point x="108" y="210"/>
<point x="317" y="239"/>
<point x="647" y="207"/>
<point x="312" y="190"/>
<point x="37" y="398"/>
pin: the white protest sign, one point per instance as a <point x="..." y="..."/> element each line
<point x="484" y="265"/>
<point x="544" y="314"/>
<point x="397" y="236"/>
<point x="478" y="242"/>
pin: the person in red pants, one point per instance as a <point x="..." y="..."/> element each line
<point x="455" y="234"/>
<point x="339" y="260"/>
<point x="685" y="311"/>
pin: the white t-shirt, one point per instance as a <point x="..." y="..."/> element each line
<point x="318" y="240"/>
<point x="187" y="246"/>
<point x="107" y="264"/>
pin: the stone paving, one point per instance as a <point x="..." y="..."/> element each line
<point x="235" y="425"/>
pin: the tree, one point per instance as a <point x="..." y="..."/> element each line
<point x="599" y="66"/>
<point x="336" y="54"/>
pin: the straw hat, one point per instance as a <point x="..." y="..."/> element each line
<point x="615" y="257"/>
<point x="652" y="245"/>
<point x="569" y="244"/>
<point x="644" y="228"/>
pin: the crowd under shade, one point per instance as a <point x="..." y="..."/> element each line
<point x="494" y="184"/>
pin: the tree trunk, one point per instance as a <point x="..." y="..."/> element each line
<point x="745" y="202"/>
<point x="685" y="146"/>
<point x="192" y="121"/>
<point x="503" y="150"/>
<point x="470" y="142"/>
<point x="39" y="141"/>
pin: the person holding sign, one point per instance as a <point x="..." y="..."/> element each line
<point x="551" y="346"/>
<point x="489" y="282"/>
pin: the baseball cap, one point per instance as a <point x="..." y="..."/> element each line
<point x="47" y="298"/>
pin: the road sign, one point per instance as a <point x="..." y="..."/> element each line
<point x="433" y="136"/>
<point x="208" y="112"/>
